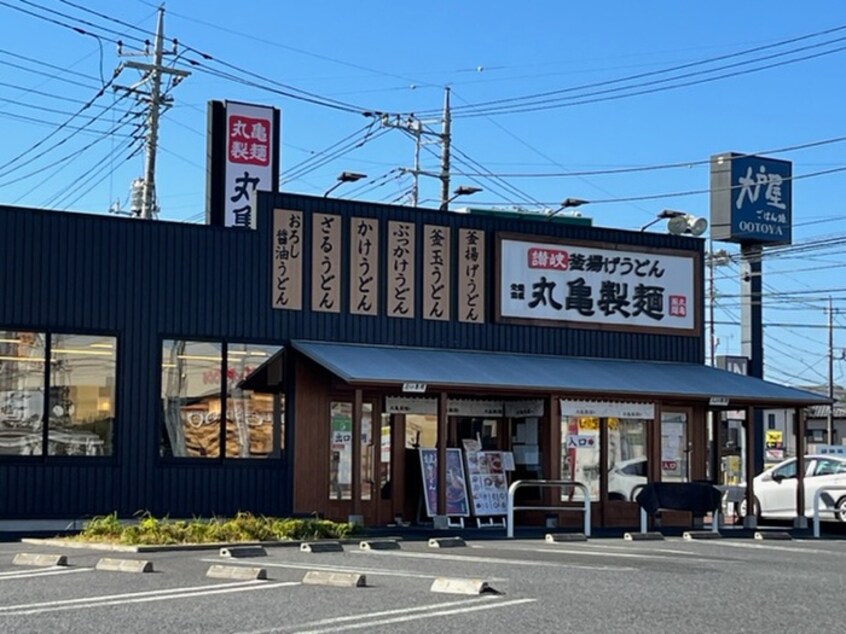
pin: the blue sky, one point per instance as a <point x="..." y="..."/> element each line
<point x="398" y="57"/>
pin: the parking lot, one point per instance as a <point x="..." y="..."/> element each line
<point x="602" y="585"/>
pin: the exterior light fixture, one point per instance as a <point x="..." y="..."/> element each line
<point x="565" y="204"/>
<point x="345" y="177"/>
<point x="461" y="190"/>
<point x="680" y="222"/>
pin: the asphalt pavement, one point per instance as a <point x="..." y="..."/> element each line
<point x="605" y="584"/>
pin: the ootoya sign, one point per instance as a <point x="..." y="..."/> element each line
<point x="751" y="199"/>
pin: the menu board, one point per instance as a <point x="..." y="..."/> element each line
<point x="488" y="484"/>
<point x="456" y="493"/>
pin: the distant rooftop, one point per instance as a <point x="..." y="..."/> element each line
<point x="562" y="217"/>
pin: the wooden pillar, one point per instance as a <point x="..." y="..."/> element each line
<point x="800" y="461"/>
<point x="356" y="453"/>
<point x="398" y="465"/>
<point x="653" y="448"/>
<point x="552" y="468"/>
<point x="749" y="457"/>
<point x="603" y="469"/>
<point x="442" y="453"/>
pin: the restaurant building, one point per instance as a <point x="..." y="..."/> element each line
<point x="350" y="359"/>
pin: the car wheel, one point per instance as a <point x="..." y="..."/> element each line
<point x="840" y="509"/>
<point x="742" y="510"/>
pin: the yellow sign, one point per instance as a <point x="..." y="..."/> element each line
<point x="774" y="438"/>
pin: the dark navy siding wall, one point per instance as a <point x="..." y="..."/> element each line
<point x="145" y="281"/>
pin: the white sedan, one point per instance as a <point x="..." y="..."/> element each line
<point x="775" y="488"/>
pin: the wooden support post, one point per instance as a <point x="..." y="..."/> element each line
<point x="800" y="468"/>
<point x="356" y="453"/>
<point x="750" y="521"/>
<point x="442" y="453"/>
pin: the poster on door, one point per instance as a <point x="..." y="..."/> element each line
<point x="488" y="484"/>
<point x="457" y="504"/>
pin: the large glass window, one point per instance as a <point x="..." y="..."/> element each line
<point x="22" y="380"/>
<point x="80" y="401"/>
<point x="194" y="373"/>
<point x="674" y="447"/>
<point x="82" y="395"/>
<point x="250" y="414"/>
<point x="626" y="461"/>
<point x="580" y="455"/>
<point x="627" y="464"/>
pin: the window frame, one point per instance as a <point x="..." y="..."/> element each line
<point x="45" y="456"/>
<point x="278" y="454"/>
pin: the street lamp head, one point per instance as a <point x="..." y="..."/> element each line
<point x="466" y="190"/>
<point x="572" y="202"/>
<point x="565" y="204"/>
<point x="350" y="177"/>
<point x="345" y="177"/>
<point x="461" y="190"/>
<point x="679" y="222"/>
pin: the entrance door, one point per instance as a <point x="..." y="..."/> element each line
<point x="375" y="445"/>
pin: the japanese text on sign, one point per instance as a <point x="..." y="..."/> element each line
<point x="364" y="269"/>
<point x="471" y="276"/>
<point x="436" y="272"/>
<point x="287" y="259"/>
<point x="249" y="156"/>
<point x="401" y="257"/>
<point x="326" y="258"/>
<point x="596" y="286"/>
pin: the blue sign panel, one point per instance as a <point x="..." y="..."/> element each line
<point x="761" y="200"/>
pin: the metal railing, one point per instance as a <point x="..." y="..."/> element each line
<point x="817" y="509"/>
<point x="547" y="483"/>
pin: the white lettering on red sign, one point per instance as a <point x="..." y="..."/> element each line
<point x="555" y="259"/>
<point x="249" y="140"/>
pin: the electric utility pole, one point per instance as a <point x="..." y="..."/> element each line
<point x="148" y="90"/>
<point x="446" y="124"/>
<point x="830" y="422"/>
<point x="417" y="128"/>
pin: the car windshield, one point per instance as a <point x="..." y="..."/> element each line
<point x="787" y="470"/>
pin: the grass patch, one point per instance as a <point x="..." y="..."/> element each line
<point x="244" y="527"/>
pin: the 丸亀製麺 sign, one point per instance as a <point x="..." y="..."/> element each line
<point x="250" y="148"/>
<point x="574" y="283"/>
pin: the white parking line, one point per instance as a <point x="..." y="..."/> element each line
<point x="492" y="560"/>
<point x="40" y="572"/>
<point x="597" y="553"/>
<point x="139" y="597"/>
<point x="328" y="568"/>
<point x="370" y="619"/>
<point x="787" y="549"/>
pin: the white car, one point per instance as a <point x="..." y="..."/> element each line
<point x="775" y="488"/>
<point x="624" y="477"/>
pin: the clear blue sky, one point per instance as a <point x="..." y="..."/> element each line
<point x="398" y="57"/>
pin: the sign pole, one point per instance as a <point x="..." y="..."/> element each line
<point x="752" y="338"/>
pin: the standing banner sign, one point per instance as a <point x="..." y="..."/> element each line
<point x="243" y="152"/>
<point x="488" y="484"/>
<point x="457" y="504"/>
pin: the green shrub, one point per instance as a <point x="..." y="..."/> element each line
<point x="243" y="527"/>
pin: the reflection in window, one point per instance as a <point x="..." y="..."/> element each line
<point x="82" y="395"/>
<point x="191" y="380"/>
<point x="627" y="463"/>
<point x="340" y="452"/>
<point x="580" y="456"/>
<point x="193" y="373"/>
<point x="674" y="447"/>
<point x="250" y="414"/>
<point x="22" y="378"/>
